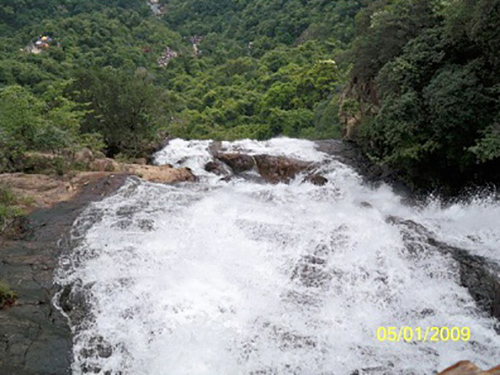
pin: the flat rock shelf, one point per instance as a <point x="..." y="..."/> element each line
<point x="35" y="338"/>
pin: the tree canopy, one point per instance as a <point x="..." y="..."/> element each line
<point x="419" y="77"/>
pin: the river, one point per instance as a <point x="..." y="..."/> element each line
<point x="243" y="277"/>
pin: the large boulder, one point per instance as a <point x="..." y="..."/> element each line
<point x="218" y="168"/>
<point x="162" y="174"/>
<point x="83" y="156"/>
<point x="276" y="169"/>
<point x="273" y="169"/>
<point x="104" y="165"/>
<point x="239" y="163"/>
<point x="316" y="179"/>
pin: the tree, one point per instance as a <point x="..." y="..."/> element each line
<point x="127" y="109"/>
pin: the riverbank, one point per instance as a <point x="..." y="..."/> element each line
<point x="35" y="337"/>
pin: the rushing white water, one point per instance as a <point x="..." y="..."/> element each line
<point x="240" y="278"/>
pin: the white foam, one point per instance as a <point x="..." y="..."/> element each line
<point x="181" y="153"/>
<point x="472" y="225"/>
<point x="216" y="279"/>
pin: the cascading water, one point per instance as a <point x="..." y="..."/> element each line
<point x="239" y="277"/>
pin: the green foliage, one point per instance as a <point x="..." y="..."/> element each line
<point x="487" y="147"/>
<point x="437" y="84"/>
<point x="7" y="197"/>
<point x="126" y="109"/>
<point x="20" y="124"/>
<point x="47" y="123"/>
<point x="265" y="21"/>
<point x="424" y="76"/>
<point x="259" y="63"/>
<point x="326" y="120"/>
<point x="8" y="209"/>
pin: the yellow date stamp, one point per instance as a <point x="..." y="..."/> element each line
<point x="420" y="334"/>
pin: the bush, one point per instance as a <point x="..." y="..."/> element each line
<point x="8" y="210"/>
<point x="127" y="110"/>
<point x="50" y="123"/>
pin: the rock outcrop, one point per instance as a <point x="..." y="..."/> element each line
<point x="238" y="163"/>
<point x="35" y="338"/>
<point x="46" y="190"/>
<point x="316" y="179"/>
<point x="164" y="174"/>
<point x="217" y="168"/>
<point x="275" y="169"/>
<point x="477" y="274"/>
<point x="272" y="169"/>
<point x="468" y="368"/>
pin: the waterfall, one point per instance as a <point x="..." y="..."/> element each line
<point x="241" y="277"/>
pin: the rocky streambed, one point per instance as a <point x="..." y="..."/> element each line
<point x="35" y="337"/>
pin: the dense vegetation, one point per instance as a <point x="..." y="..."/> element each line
<point x="436" y="68"/>
<point x="416" y="81"/>
<point x="100" y="82"/>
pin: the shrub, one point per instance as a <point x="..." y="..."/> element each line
<point x="8" y="212"/>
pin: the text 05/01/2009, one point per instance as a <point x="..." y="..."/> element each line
<point x="420" y="334"/>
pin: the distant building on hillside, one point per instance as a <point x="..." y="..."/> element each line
<point x="41" y="43"/>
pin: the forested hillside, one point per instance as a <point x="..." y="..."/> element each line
<point x="426" y="88"/>
<point x="416" y="83"/>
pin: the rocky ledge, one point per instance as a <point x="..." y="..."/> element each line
<point x="35" y="338"/>
<point x="46" y="190"/>
<point x="477" y="274"/>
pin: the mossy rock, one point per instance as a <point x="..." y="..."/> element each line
<point x="7" y="296"/>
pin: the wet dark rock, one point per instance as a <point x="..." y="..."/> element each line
<point x="237" y="162"/>
<point x="217" y="168"/>
<point x="212" y="166"/>
<point x="74" y="302"/>
<point x="311" y="272"/>
<point x="64" y="301"/>
<point x="155" y="147"/>
<point x="427" y="312"/>
<point x="97" y="348"/>
<point x="276" y="169"/>
<point x="349" y="153"/>
<point x="477" y="274"/>
<point x="316" y="179"/>
<point x="365" y="205"/>
<point x="35" y="338"/>
<point x="146" y="225"/>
